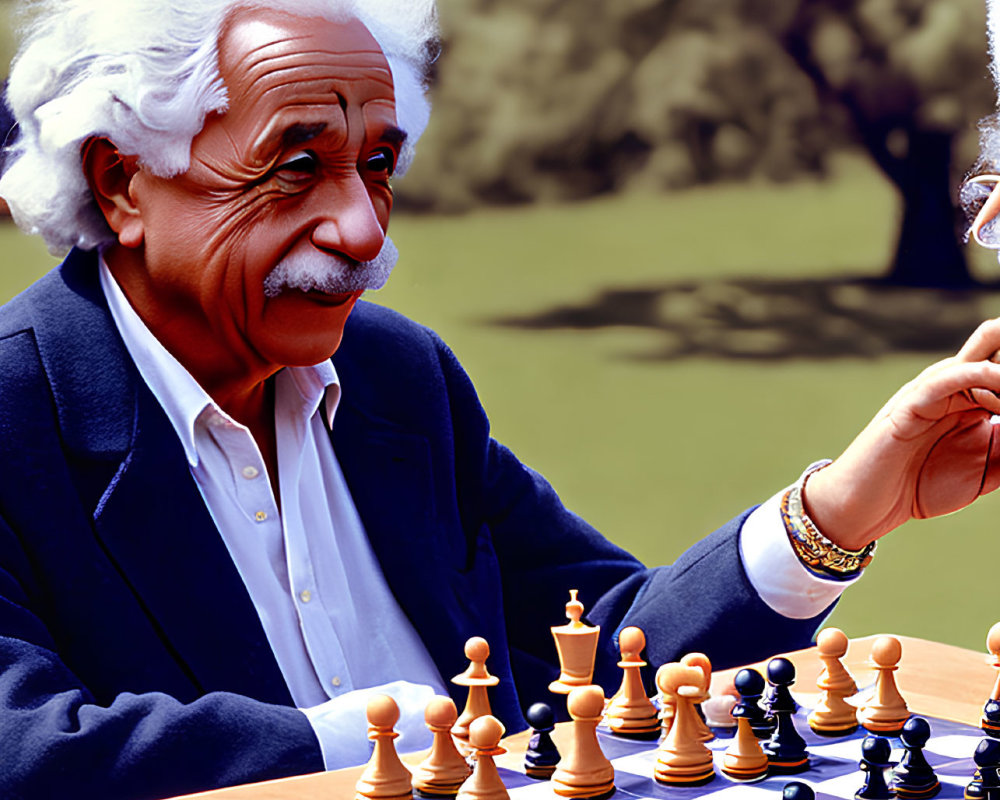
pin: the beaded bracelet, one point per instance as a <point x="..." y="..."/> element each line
<point x="817" y="553"/>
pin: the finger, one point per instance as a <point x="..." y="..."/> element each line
<point x="984" y="343"/>
<point x="991" y="475"/>
<point x="989" y="210"/>
<point x="985" y="399"/>
<point x="977" y="382"/>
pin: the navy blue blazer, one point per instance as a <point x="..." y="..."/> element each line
<point x="132" y="662"/>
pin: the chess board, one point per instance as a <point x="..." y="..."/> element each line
<point x="833" y="767"/>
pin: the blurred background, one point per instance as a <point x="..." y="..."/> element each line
<point x="686" y="247"/>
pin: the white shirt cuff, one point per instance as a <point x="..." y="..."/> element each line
<point x="342" y="728"/>
<point x="775" y="571"/>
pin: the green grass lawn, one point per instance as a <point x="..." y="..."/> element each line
<point x="657" y="453"/>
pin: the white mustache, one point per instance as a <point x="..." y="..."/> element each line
<point x="308" y="269"/>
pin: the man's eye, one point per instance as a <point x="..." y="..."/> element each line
<point x="381" y="161"/>
<point x="300" y="163"/>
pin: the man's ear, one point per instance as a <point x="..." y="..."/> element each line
<point x="109" y="175"/>
<point x="988" y="213"/>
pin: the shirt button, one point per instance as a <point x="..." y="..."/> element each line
<point x="335" y="681"/>
<point x="260" y="516"/>
<point x="305" y="595"/>
<point x="250" y="472"/>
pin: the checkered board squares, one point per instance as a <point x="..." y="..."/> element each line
<point x="833" y="767"/>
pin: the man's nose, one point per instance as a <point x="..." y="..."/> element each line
<point x="349" y="225"/>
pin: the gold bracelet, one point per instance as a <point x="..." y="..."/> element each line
<point x="817" y="553"/>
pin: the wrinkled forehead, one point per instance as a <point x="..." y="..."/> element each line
<point x="264" y="52"/>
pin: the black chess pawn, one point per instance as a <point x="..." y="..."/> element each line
<point x="875" y="753"/>
<point x="541" y="757"/>
<point x="974" y="788"/>
<point x="796" y="790"/>
<point x="913" y="777"/>
<point x="991" y="710"/>
<point x="772" y="691"/>
<point x="750" y="684"/>
<point x="765" y="702"/>
<point x="991" y="718"/>
<point x="986" y="784"/>
<point x="786" y="749"/>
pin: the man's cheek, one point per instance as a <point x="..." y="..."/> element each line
<point x="232" y="223"/>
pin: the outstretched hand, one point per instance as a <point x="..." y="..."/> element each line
<point x="932" y="449"/>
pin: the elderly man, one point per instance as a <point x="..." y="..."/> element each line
<point x="200" y="583"/>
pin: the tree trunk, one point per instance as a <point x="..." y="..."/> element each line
<point x="928" y="252"/>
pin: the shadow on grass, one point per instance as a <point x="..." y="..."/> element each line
<point x="779" y="319"/>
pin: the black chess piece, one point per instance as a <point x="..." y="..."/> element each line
<point x="771" y="692"/>
<point x="913" y="777"/>
<point x="986" y="783"/>
<point x="541" y="757"/>
<point x="875" y="753"/>
<point x="974" y="788"/>
<point x="786" y="749"/>
<point x="796" y="790"/>
<point x="750" y="684"/>
<point x="991" y="718"/>
<point x="765" y="702"/>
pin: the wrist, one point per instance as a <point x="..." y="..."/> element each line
<point x="816" y="551"/>
<point x="825" y="502"/>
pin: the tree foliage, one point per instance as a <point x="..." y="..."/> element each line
<point x="544" y="99"/>
<point x="552" y="99"/>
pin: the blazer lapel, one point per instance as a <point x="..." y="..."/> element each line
<point x="151" y="517"/>
<point x="155" y="525"/>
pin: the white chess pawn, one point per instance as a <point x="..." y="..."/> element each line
<point x="484" y="783"/>
<point x="833" y="715"/>
<point x="444" y="770"/>
<point x="385" y="777"/>
<point x="831" y="647"/>
<point x="584" y="770"/>
<point x="630" y="712"/>
<point x="682" y="758"/>
<point x="745" y="759"/>
<point x="478" y="679"/>
<point x="885" y="711"/>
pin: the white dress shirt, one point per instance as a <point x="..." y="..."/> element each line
<point x="776" y="572"/>
<point x="335" y="629"/>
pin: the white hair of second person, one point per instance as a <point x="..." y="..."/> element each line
<point x="145" y="75"/>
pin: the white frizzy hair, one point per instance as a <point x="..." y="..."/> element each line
<point x="989" y="136"/>
<point x="144" y="74"/>
<point x="972" y="194"/>
<point x="993" y="37"/>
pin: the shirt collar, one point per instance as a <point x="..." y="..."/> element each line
<point x="181" y="396"/>
<point x="307" y="386"/>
